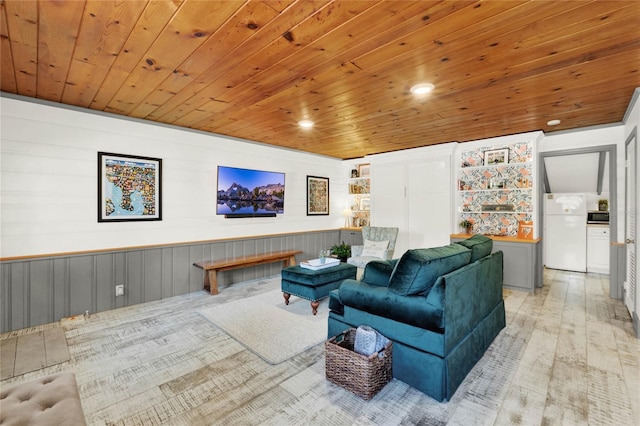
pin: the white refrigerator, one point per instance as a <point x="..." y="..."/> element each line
<point x="565" y="231"/>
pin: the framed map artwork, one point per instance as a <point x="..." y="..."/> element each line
<point x="129" y="188"/>
<point x="317" y="196"/>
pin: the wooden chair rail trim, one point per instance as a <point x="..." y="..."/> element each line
<point x="211" y="267"/>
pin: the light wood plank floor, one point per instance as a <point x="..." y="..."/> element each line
<point x="567" y="356"/>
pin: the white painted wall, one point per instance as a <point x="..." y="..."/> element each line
<point x="592" y="137"/>
<point x="48" y="181"/>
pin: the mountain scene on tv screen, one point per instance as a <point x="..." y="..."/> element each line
<point x="239" y="199"/>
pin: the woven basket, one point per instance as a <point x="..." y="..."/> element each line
<point x="362" y="375"/>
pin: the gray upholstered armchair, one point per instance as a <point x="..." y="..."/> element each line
<point x="379" y="243"/>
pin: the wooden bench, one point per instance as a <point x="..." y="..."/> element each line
<point x="212" y="267"/>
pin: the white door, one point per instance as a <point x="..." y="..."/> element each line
<point x="631" y="219"/>
<point x="415" y="196"/>
<point x="429" y="202"/>
<point x="388" y="199"/>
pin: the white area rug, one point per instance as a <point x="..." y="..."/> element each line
<point x="269" y="328"/>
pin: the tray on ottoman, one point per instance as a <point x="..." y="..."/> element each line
<point x="362" y="375"/>
<point x="317" y="264"/>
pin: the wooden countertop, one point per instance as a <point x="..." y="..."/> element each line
<point x="500" y="238"/>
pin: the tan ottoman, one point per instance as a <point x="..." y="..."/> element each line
<point x="51" y="400"/>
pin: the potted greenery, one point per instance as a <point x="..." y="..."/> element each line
<point x="341" y="251"/>
<point x="467" y="225"/>
<point x="603" y="205"/>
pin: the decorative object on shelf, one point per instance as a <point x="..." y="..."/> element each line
<point x="317" y="196"/>
<point x="354" y="173"/>
<point x="496" y="156"/>
<point x="360" y="186"/>
<point x="497" y="223"/>
<point x="347" y="213"/>
<point x="341" y="251"/>
<point x="603" y="205"/>
<point x="496" y="184"/>
<point x="498" y="208"/>
<point x="363" y="170"/>
<point x="474" y="157"/>
<point x="467" y="225"/>
<point x="521" y="200"/>
<point x="129" y="188"/>
<point x="361" y="219"/>
<point x="525" y="229"/>
<point x="503" y="176"/>
<point x="365" y="204"/>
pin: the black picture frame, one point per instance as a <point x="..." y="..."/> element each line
<point x="129" y="188"/>
<point x="317" y="196"/>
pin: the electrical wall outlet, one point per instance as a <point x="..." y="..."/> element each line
<point x="119" y="290"/>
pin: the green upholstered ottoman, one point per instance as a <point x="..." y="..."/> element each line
<point x="314" y="285"/>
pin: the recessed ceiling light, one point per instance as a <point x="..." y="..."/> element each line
<point x="553" y="122"/>
<point x="306" y="123"/>
<point x="422" y="88"/>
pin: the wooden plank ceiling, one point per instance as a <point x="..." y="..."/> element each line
<point x="253" y="69"/>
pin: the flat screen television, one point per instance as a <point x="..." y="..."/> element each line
<point x="249" y="193"/>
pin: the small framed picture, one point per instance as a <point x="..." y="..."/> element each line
<point x="317" y="195"/>
<point x="354" y="173"/>
<point x="363" y="170"/>
<point x="525" y="229"/>
<point x="365" y="204"/>
<point x="496" y="156"/>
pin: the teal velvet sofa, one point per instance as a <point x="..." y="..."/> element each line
<point x="442" y="307"/>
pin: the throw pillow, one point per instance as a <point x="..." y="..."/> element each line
<point x="375" y="248"/>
